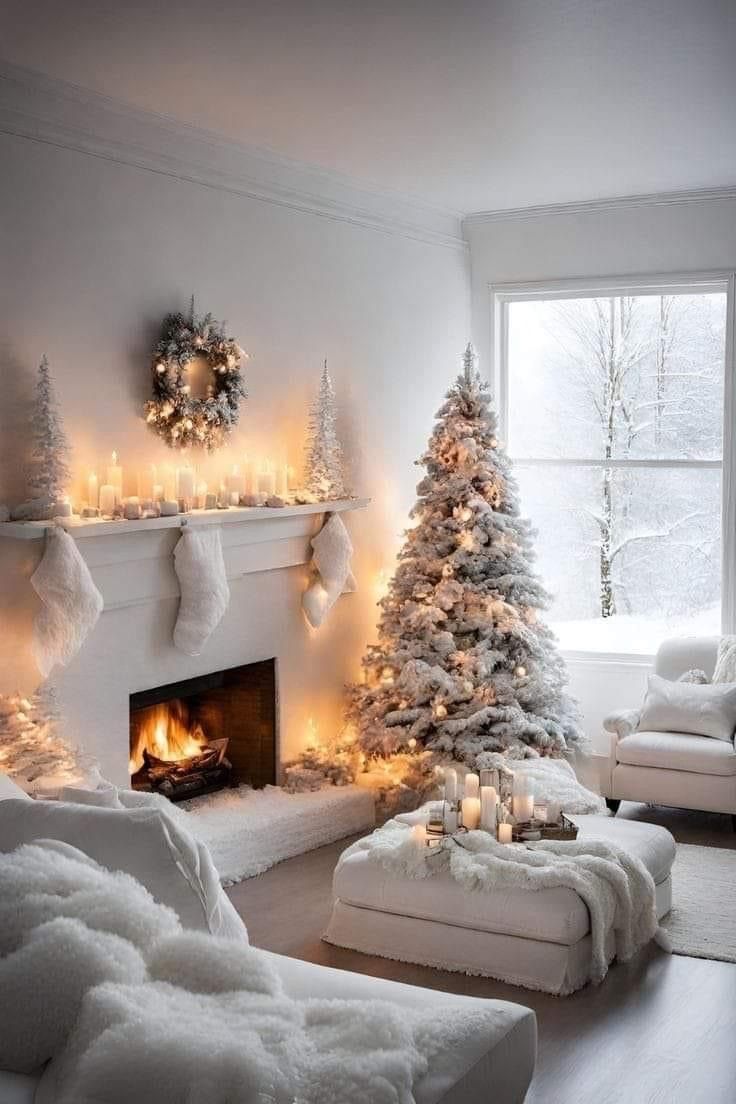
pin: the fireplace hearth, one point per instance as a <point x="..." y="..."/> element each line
<point x="193" y="737"/>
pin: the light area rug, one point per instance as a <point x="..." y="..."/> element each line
<point x="702" y="923"/>
<point x="248" y="831"/>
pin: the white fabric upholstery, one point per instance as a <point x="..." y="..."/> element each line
<point x="536" y="939"/>
<point x="175" y="868"/>
<point x="472" y="1071"/>
<point x="677" y="751"/>
<point x="680" y="789"/>
<point x="9" y="788"/>
<point x="702" y="710"/>
<point x="726" y="663"/>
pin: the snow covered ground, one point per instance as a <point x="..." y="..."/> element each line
<point x="638" y="635"/>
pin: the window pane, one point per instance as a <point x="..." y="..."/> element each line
<point x="630" y="555"/>
<point x="627" y="377"/>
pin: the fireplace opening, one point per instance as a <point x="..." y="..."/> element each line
<point x="199" y="735"/>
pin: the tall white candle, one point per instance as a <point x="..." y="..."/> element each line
<point x="266" y="480"/>
<point x="115" y="477"/>
<point x="158" y="492"/>
<point x="93" y="491"/>
<point x="168" y="481"/>
<point x="523" y="807"/>
<point x="107" y="499"/>
<point x="235" y="482"/>
<point x="471" y="812"/>
<point x="419" y="834"/>
<point x="472" y="785"/>
<point x="185" y="484"/>
<point x="201" y="494"/>
<point x="488" y="808"/>
<point x="147" y="481"/>
<point x="282" y="481"/>
<point x="450" y="784"/>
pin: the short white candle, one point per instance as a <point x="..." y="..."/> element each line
<point x="504" y="833"/>
<point x="266" y="480"/>
<point x="201" y="494"/>
<point x="282" y="481"/>
<point x="93" y="490"/>
<point x="472" y="785"/>
<point x="450" y="784"/>
<point x="488" y="808"/>
<point x="107" y="499"/>
<point x="63" y="508"/>
<point x="419" y="834"/>
<point x="235" y="483"/>
<point x="158" y="492"/>
<point x="146" y="482"/>
<point x="471" y="812"/>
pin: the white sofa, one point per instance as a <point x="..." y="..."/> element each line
<point x="179" y="872"/>
<point x="671" y="768"/>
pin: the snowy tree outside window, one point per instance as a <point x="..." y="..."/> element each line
<point x="615" y="424"/>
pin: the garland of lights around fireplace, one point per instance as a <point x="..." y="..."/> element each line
<point x="181" y="418"/>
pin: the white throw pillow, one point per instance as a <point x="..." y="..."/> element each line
<point x="726" y="662"/>
<point x="690" y="708"/>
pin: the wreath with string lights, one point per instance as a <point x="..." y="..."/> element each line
<point x="182" y="418"/>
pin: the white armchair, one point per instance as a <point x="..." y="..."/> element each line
<point x="671" y="768"/>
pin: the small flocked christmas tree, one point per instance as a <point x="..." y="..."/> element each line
<point x="325" y="478"/>
<point x="32" y="749"/>
<point x="464" y="666"/>
<point x="49" y="474"/>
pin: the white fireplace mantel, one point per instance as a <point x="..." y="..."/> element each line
<point x="132" y="561"/>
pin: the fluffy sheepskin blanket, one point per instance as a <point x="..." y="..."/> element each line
<point x="616" y="887"/>
<point x="555" y="780"/>
<point x="99" y="978"/>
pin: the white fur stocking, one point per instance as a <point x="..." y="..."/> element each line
<point x="71" y="602"/>
<point x="205" y="595"/>
<point x="332" y="552"/>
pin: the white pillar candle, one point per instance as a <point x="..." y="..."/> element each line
<point x="201" y="494"/>
<point x="504" y="833"/>
<point x="522" y="807"/>
<point x="63" y="508"/>
<point x="147" y="481"/>
<point x="107" y="499"/>
<point x="168" y="481"/>
<point x="450" y="784"/>
<point x="266" y="481"/>
<point x="169" y="508"/>
<point x="185" y="484"/>
<point x="235" y="483"/>
<point x="488" y="808"/>
<point x="282" y="481"/>
<point x="115" y="477"/>
<point x="419" y="834"/>
<point x="210" y="501"/>
<point x="158" y="492"/>
<point x="93" y="490"/>
<point x="471" y="812"/>
<point x="234" y="498"/>
<point x="472" y="785"/>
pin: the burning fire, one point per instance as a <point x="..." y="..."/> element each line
<point x="167" y="733"/>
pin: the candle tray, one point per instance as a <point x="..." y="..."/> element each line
<point x="565" y="830"/>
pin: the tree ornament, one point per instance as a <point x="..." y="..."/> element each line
<point x="325" y="478"/>
<point x="195" y="347"/>
<point x="475" y="670"/>
<point x="49" y="475"/>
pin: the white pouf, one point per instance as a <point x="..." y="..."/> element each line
<point x="540" y="940"/>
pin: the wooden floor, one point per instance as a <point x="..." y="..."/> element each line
<point x="659" y="1030"/>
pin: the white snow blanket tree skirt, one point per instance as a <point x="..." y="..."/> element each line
<point x="248" y="831"/>
<point x="548" y="916"/>
<point x="103" y="983"/>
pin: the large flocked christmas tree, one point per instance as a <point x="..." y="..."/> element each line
<point x="464" y="666"/>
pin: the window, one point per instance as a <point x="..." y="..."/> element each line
<point x="612" y="401"/>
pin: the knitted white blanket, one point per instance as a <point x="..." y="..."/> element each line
<point x="99" y="978"/>
<point x="616" y="887"/>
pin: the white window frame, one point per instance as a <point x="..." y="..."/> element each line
<point x="658" y="284"/>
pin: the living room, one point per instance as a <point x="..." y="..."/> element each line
<point x="367" y="582"/>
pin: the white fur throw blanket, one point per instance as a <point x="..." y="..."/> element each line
<point x="616" y="887"/>
<point x="100" y="979"/>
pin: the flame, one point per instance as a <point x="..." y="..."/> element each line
<point x="166" y="731"/>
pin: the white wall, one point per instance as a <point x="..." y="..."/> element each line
<point x="695" y="235"/>
<point x="95" y="252"/>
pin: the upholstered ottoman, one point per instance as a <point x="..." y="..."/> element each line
<point x="537" y="939"/>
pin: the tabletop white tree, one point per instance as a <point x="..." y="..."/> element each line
<point x="464" y="665"/>
<point x="325" y="475"/>
<point x="49" y="475"/>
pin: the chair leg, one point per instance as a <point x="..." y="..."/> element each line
<point x="614" y="802"/>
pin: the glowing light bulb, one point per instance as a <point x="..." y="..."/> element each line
<point x="412" y="743"/>
<point x="520" y="671"/>
<point x="466" y="513"/>
<point x="440" y="711"/>
<point x="161" y="368"/>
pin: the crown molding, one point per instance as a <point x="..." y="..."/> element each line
<point x="55" y="112"/>
<point x="587" y="207"/>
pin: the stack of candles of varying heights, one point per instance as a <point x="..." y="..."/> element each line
<point x="479" y="806"/>
<point x="161" y="487"/>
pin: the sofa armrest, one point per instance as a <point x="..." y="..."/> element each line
<point x="622" y="723"/>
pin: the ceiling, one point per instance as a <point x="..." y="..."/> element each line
<point x="465" y="104"/>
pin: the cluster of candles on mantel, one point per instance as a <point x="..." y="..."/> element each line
<point x="474" y="802"/>
<point x="168" y="489"/>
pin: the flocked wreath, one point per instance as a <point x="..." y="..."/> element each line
<point x="174" y="413"/>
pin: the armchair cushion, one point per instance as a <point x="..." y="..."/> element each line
<point x="708" y="710"/>
<point x="726" y="663"/>
<point x="677" y="751"/>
